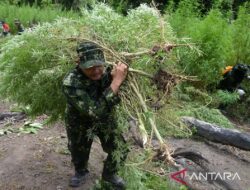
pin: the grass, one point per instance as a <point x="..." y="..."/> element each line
<point x="143" y="176"/>
<point x="27" y="14"/>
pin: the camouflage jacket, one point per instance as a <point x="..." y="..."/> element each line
<point x="87" y="98"/>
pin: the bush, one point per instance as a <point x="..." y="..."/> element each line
<point x="241" y="35"/>
<point x="222" y="43"/>
<point x="214" y="38"/>
<point x="33" y="64"/>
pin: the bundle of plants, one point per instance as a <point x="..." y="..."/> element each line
<point x="34" y="64"/>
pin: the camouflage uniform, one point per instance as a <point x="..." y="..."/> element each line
<point x="90" y="112"/>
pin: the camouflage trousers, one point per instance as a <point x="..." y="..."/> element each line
<point x="81" y="133"/>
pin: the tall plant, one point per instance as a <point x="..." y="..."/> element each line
<point x="241" y="35"/>
<point x="27" y="14"/>
<point x="213" y="36"/>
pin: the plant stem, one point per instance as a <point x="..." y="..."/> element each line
<point x="145" y="109"/>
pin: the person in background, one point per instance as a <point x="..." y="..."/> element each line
<point x="20" y="28"/>
<point x="5" y="28"/>
<point x="233" y="77"/>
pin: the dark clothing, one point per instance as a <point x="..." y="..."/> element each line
<point x="231" y="80"/>
<point x="20" y="29"/>
<point x="90" y="112"/>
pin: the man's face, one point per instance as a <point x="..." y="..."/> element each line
<point x="94" y="73"/>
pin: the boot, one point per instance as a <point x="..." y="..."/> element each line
<point x="78" y="178"/>
<point x="115" y="180"/>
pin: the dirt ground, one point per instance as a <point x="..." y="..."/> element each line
<point x="42" y="162"/>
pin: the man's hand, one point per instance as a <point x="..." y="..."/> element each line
<point x="119" y="74"/>
<point x="168" y="47"/>
<point x="165" y="48"/>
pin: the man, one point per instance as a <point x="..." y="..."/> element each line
<point x="91" y="94"/>
<point x="233" y="77"/>
<point x="20" y="28"/>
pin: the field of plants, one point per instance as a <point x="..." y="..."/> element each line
<point x="176" y="56"/>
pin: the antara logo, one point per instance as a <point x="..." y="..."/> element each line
<point x="214" y="176"/>
<point x="180" y="175"/>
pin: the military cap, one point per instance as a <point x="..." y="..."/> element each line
<point x="90" y="55"/>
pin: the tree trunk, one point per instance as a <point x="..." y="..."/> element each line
<point x="215" y="133"/>
<point x="16" y="115"/>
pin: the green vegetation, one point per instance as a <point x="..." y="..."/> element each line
<point x="144" y="176"/>
<point x="27" y="15"/>
<point x="37" y="58"/>
<point x="241" y="35"/>
<point x="222" y="41"/>
<point x="125" y="5"/>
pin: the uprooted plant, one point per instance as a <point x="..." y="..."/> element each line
<point x="134" y="98"/>
<point x="34" y="64"/>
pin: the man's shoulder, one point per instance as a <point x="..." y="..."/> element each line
<point x="74" y="79"/>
